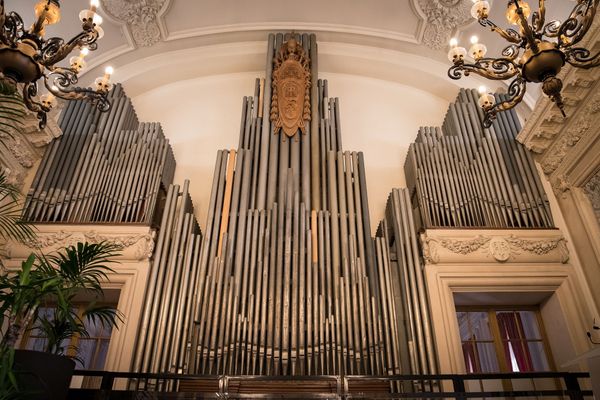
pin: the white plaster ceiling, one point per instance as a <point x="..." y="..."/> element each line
<point x="155" y="42"/>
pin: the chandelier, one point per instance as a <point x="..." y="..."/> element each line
<point x="535" y="53"/>
<point x="26" y="57"/>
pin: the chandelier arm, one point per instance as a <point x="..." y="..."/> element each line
<point x="29" y="94"/>
<point x="13" y="29"/>
<point x="52" y="83"/>
<point x="576" y="26"/>
<point x="528" y="35"/>
<point x="509" y="35"/>
<point x="61" y="77"/>
<point x="538" y="19"/>
<point x="491" y="68"/>
<point x="511" y="52"/>
<point x="581" y="58"/>
<point x="551" y="29"/>
<point x="516" y="91"/>
<point x="55" y="50"/>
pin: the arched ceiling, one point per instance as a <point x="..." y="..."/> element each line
<point x="156" y="42"/>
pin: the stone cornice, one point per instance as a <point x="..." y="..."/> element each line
<point x="451" y="246"/>
<point x="135" y="242"/>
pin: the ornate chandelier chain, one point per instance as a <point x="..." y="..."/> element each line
<point x="535" y="53"/>
<point x="26" y="57"/>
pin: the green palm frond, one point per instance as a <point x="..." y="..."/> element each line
<point x="12" y="114"/>
<point x="102" y="314"/>
<point x="12" y="226"/>
<point x="85" y="265"/>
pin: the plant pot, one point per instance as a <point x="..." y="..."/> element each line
<point x="43" y="376"/>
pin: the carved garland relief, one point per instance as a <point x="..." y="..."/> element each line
<point x="144" y="242"/>
<point x="500" y="248"/>
<point x="290" y="102"/>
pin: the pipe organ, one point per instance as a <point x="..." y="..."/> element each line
<point x="464" y="175"/>
<point x="290" y="282"/>
<point x="286" y="278"/>
<point x="106" y="167"/>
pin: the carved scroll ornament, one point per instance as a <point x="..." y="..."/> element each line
<point x="290" y="102"/>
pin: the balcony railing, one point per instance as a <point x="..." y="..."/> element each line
<point x="539" y="385"/>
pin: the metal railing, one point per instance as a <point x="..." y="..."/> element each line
<point x="539" y="385"/>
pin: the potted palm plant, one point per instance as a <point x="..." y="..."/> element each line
<point x="53" y="282"/>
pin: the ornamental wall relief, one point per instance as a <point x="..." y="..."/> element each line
<point x="290" y="101"/>
<point x="137" y="247"/>
<point x="499" y="248"/>
<point x="142" y="18"/>
<point x="442" y="18"/>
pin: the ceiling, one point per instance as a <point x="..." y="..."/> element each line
<point x="156" y="42"/>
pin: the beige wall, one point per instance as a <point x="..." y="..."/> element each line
<point x="380" y="118"/>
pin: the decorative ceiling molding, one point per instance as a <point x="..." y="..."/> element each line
<point x="143" y="19"/>
<point x="443" y="18"/>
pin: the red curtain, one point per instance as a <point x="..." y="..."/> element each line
<point x="471" y="360"/>
<point x="511" y="328"/>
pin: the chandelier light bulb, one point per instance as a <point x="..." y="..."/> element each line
<point x="94" y="4"/>
<point x="480" y="9"/>
<point x="477" y="50"/>
<point x="457" y="54"/>
<point x="453" y="42"/>
<point x="48" y="100"/>
<point x="84" y="51"/>
<point x="97" y="19"/>
<point x="486" y="100"/>
<point x="512" y="16"/>
<point x="474" y="39"/>
<point x="109" y="71"/>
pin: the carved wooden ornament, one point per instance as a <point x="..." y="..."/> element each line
<point x="290" y="103"/>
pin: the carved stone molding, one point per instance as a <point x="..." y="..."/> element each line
<point x="572" y="134"/>
<point x="142" y="18"/>
<point x="134" y="243"/>
<point x="592" y="190"/>
<point x="545" y="127"/>
<point x="442" y="18"/>
<point x="531" y="246"/>
<point x="23" y="143"/>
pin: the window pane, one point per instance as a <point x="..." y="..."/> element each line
<point x="518" y="356"/>
<point x="480" y="326"/>
<point x="474" y="326"/>
<point x="487" y="357"/>
<point x="87" y="348"/>
<point x="36" y="343"/>
<point x="101" y="355"/>
<point x="530" y="324"/>
<point x="480" y="357"/>
<point x="538" y="356"/>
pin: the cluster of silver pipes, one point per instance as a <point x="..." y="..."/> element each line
<point x="464" y="175"/>
<point x="106" y="167"/>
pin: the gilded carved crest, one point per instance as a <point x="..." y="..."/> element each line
<point x="290" y="103"/>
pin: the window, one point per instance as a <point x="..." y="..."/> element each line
<point x="503" y="340"/>
<point x="92" y="350"/>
